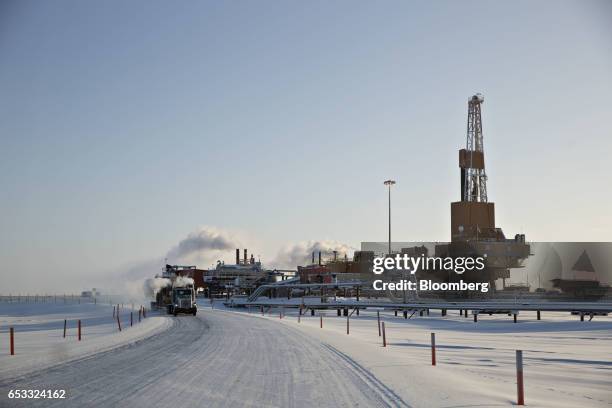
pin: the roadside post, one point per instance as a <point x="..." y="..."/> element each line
<point x="384" y="336"/>
<point x="519" y="378"/>
<point x="433" y="349"/>
<point x="12" y="341"/>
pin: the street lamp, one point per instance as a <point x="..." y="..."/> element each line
<point x="389" y="183"/>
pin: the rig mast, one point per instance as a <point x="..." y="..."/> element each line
<point x="473" y="216"/>
<point x="473" y="176"/>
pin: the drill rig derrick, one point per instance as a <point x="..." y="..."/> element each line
<point x="473" y="229"/>
<point x="471" y="160"/>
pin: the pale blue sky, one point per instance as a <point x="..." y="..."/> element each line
<point x="126" y="125"/>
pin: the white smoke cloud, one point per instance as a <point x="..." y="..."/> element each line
<point x="181" y="281"/>
<point x="201" y="247"/>
<point x="153" y="285"/>
<point x="300" y="253"/>
<point x="138" y="271"/>
<point x="205" y="245"/>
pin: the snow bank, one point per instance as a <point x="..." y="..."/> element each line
<point x="39" y="341"/>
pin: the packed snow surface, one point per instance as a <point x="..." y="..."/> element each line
<point x="236" y="358"/>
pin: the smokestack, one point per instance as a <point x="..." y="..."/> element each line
<point x="245" y="256"/>
<point x="319" y="258"/>
<point x="252" y="260"/>
<point x="237" y="256"/>
<point x="335" y="256"/>
<point x="313" y="257"/>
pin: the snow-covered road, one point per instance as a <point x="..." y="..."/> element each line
<point x="218" y="359"/>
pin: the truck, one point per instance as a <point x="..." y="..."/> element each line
<point x="183" y="301"/>
<point x="179" y="296"/>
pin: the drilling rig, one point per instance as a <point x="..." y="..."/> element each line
<point x="473" y="230"/>
<point x="473" y="216"/>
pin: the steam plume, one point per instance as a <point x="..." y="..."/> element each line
<point x="200" y="243"/>
<point x="153" y="285"/>
<point x="300" y="253"/>
<point x="183" y="281"/>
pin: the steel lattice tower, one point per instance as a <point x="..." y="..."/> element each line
<point x="475" y="178"/>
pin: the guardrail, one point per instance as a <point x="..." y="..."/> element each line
<point x="482" y="307"/>
<point x="65" y="298"/>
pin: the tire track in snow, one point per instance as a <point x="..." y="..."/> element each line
<point x="390" y="398"/>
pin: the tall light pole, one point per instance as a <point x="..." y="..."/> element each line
<point x="389" y="183"/>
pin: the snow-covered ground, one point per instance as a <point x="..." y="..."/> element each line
<point x="568" y="363"/>
<point x="232" y="357"/>
<point x="39" y="327"/>
<point x="215" y="359"/>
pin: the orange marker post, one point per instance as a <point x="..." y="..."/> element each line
<point x="519" y="378"/>
<point x="12" y="340"/>
<point x="433" y="349"/>
<point x="384" y="336"/>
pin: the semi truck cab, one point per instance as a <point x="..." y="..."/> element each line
<point x="183" y="301"/>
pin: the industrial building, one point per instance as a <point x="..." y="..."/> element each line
<point x="188" y="271"/>
<point x="334" y="269"/>
<point x="245" y="274"/>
